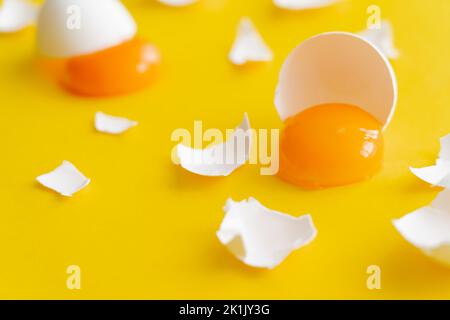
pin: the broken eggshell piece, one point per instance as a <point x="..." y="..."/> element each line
<point x="428" y="228"/>
<point x="221" y="159"/>
<point x="249" y="46"/>
<point x="65" y="179"/>
<point x="303" y="4"/>
<point x="261" y="237"/>
<point x="68" y="28"/>
<point x="382" y="38"/>
<point x="111" y="124"/>
<point x="16" y="15"/>
<point x="337" y="67"/>
<point x="438" y="174"/>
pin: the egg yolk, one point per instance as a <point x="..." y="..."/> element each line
<point x="330" y="145"/>
<point x="127" y="67"/>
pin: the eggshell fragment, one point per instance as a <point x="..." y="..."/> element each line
<point x="337" y="67"/>
<point x="383" y="39"/>
<point x="221" y="159"/>
<point x="111" y="124"/>
<point x="65" y="179"/>
<point x="303" y="4"/>
<point x="439" y="174"/>
<point x="249" y="46"/>
<point x="16" y="15"/>
<point x="261" y="237"/>
<point x="101" y="24"/>
<point x="428" y="228"/>
<point x="177" y="3"/>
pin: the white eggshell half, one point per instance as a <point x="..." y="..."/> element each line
<point x="102" y="24"/>
<point x="428" y="228"/>
<point x="261" y="237"/>
<point x="16" y="15"/>
<point x="337" y="67"/>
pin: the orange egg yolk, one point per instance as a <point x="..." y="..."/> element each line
<point x="330" y="145"/>
<point x="125" y="68"/>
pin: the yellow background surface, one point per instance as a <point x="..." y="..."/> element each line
<point x="145" y="228"/>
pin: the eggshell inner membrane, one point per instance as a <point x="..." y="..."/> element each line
<point x="337" y="67"/>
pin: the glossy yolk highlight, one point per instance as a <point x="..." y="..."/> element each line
<point x="127" y="67"/>
<point x="330" y="145"/>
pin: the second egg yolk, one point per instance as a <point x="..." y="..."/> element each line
<point x="124" y="68"/>
<point x="330" y="145"/>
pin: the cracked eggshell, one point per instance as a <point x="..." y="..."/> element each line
<point x="261" y="237"/>
<point x="65" y="179"/>
<point x="111" y="124"/>
<point x="383" y="39"/>
<point x="102" y="24"/>
<point x="249" y="45"/>
<point x="337" y="67"/>
<point x="220" y="159"/>
<point x="428" y="228"/>
<point x="438" y="174"/>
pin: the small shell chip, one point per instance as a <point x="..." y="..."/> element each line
<point x="65" y="179"/>
<point x="249" y="46"/>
